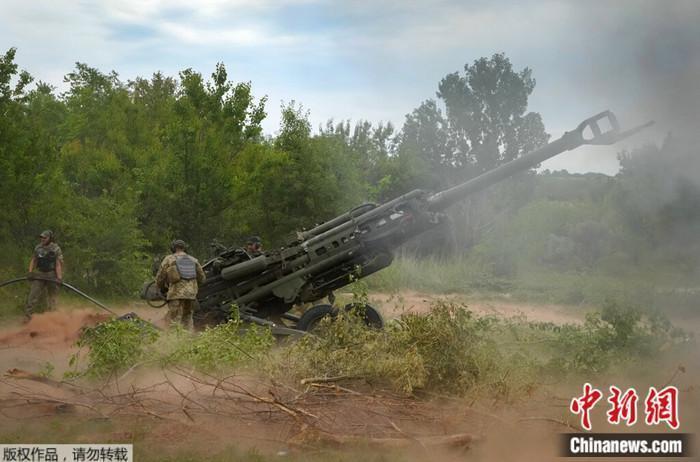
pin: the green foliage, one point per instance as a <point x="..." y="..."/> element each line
<point x="118" y="169"/>
<point x="217" y="349"/>
<point x="113" y="347"/>
<point x="449" y="350"/>
<point x="116" y="345"/>
<point x="618" y="334"/>
<point x="294" y="183"/>
<point x="46" y="370"/>
<point x="344" y="346"/>
<point x="460" y="353"/>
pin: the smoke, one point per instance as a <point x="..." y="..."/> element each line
<point x="669" y="66"/>
<point x="648" y="58"/>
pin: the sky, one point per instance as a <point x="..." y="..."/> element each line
<point x="378" y="60"/>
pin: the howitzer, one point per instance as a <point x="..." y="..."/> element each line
<point x="353" y="245"/>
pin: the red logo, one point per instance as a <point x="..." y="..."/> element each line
<point x="660" y="406"/>
<point x="583" y="404"/>
<point x="624" y="407"/>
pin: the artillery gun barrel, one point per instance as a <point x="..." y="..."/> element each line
<point x="359" y="242"/>
<point x="570" y="140"/>
<point x="256" y="265"/>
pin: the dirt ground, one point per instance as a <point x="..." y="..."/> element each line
<point x="169" y="413"/>
<point x="393" y="305"/>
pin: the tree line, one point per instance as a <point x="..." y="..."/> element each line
<point x="119" y="168"/>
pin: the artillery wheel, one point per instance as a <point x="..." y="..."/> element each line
<point x="369" y="314"/>
<point x="209" y="318"/>
<point x="313" y="316"/>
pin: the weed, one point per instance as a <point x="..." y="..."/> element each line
<point x="218" y="348"/>
<point x="449" y="350"/>
<point x="46" y="370"/>
<point x="618" y="334"/>
<point x="112" y="346"/>
<point x="117" y="345"/>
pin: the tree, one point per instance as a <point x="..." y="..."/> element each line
<point x="484" y="124"/>
<point x="28" y="151"/>
<point x="369" y="147"/>
<point x="296" y="181"/>
<point x="188" y="189"/>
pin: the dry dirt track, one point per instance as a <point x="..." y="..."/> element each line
<point x="415" y="302"/>
<point x="173" y="412"/>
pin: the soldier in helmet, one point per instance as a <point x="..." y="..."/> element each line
<point x="253" y="246"/>
<point x="179" y="277"/>
<point x="46" y="263"/>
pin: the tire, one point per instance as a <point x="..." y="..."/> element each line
<point x="369" y="315"/>
<point x="210" y="318"/>
<point x="311" y="317"/>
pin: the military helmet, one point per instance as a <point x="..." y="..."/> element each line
<point x="253" y="240"/>
<point x="47" y="233"/>
<point x="178" y="244"/>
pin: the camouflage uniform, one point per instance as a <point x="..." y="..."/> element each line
<point x="44" y="253"/>
<point x="182" y="293"/>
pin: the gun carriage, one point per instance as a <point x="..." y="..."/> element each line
<point x="353" y="245"/>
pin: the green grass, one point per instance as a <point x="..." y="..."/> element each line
<point x="654" y="287"/>
<point x="436" y="275"/>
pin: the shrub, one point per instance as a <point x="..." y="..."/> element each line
<point x="113" y="346"/>
<point x="447" y="350"/>
<point x="117" y="345"/>
<point x="618" y="334"/>
<point x="218" y="348"/>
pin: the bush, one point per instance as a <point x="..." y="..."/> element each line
<point x="461" y="353"/>
<point x="117" y="345"/>
<point x="345" y="347"/>
<point x="113" y="346"/>
<point x="218" y="348"/>
<point x="618" y="334"/>
<point x="448" y="350"/>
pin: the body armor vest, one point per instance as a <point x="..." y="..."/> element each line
<point x="186" y="267"/>
<point x="45" y="259"/>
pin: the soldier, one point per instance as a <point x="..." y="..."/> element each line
<point x="179" y="276"/>
<point x="253" y="246"/>
<point x="46" y="263"/>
